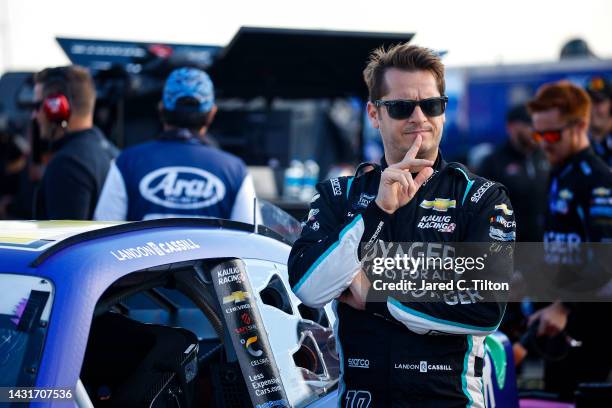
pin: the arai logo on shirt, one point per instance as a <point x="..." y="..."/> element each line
<point x="185" y="188"/>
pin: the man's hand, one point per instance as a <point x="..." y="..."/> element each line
<point x="397" y="187"/>
<point x="356" y="294"/>
<point x="553" y="319"/>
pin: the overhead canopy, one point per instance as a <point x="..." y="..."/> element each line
<point x="292" y="63"/>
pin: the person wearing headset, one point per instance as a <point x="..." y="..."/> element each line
<point x="81" y="154"/>
<point x="179" y="174"/>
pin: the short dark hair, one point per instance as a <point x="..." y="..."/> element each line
<point x="186" y="115"/>
<point x="406" y="58"/>
<point x="572" y="101"/>
<point x="75" y="82"/>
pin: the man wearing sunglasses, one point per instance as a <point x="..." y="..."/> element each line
<point x="402" y="353"/>
<point x="600" y="92"/>
<point x="579" y="210"/>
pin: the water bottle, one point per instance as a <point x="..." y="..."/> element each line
<point x="311" y="177"/>
<point x="294" y="176"/>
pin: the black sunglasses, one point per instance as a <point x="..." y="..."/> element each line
<point x="403" y="108"/>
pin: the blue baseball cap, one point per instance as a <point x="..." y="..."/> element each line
<point x="189" y="83"/>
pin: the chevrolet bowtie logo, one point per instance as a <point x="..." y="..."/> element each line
<point x="439" y="204"/>
<point x="601" y="192"/>
<point x="236" y="297"/>
<point x="504" y="208"/>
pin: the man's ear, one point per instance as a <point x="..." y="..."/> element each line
<point x="211" y="115"/>
<point x="373" y="115"/>
<point x="582" y="126"/>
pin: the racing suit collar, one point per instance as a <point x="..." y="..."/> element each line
<point x="183" y="135"/>
<point x="583" y="154"/>
<point x="439" y="164"/>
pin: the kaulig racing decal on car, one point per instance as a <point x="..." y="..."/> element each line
<point x="185" y="188"/>
<point x="248" y="335"/>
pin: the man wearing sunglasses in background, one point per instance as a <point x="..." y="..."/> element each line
<point x="408" y="353"/>
<point x="600" y="91"/>
<point x="579" y="210"/>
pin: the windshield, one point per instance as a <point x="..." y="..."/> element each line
<point x="279" y="221"/>
<point x="25" y="307"/>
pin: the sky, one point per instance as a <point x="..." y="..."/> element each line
<point x="474" y="32"/>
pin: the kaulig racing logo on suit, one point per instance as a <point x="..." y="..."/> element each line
<point x="185" y="188"/>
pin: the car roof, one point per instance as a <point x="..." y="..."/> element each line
<point x="26" y="245"/>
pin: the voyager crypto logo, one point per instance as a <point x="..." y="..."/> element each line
<point x="184" y="188"/>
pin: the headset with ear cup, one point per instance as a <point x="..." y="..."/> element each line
<point x="56" y="104"/>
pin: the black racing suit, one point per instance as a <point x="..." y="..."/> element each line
<point x="604" y="149"/>
<point x="580" y="210"/>
<point x="402" y="354"/>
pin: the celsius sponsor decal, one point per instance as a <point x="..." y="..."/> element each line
<point x="504" y="208"/>
<point x="335" y="183"/>
<point x="261" y="361"/>
<point x="237" y="297"/>
<point x="365" y="200"/>
<point x="274" y="404"/>
<point x="227" y="275"/>
<point x="250" y="344"/>
<point x="480" y="192"/>
<point x="439" y="204"/>
<point x="358" y="363"/>
<point x="441" y="223"/>
<point x="500" y="235"/>
<point x="566" y="194"/>
<point x="423" y="367"/>
<point x="155" y="249"/>
<point x="185" y="188"/>
<point x="502" y="221"/>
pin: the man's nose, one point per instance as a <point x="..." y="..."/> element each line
<point x="417" y="115"/>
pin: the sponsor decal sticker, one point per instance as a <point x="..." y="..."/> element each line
<point x="335" y="183"/>
<point x="251" y="346"/>
<point x="480" y="192"/>
<point x="566" y="194"/>
<point x="440" y="223"/>
<point x="500" y="235"/>
<point x="236" y="297"/>
<point x="503" y="222"/>
<point x="439" y="204"/>
<point x="601" y="192"/>
<point x="504" y="208"/>
<point x="358" y="363"/>
<point x="365" y="200"/>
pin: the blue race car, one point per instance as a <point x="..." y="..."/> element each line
<point x="167" y="313"/>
